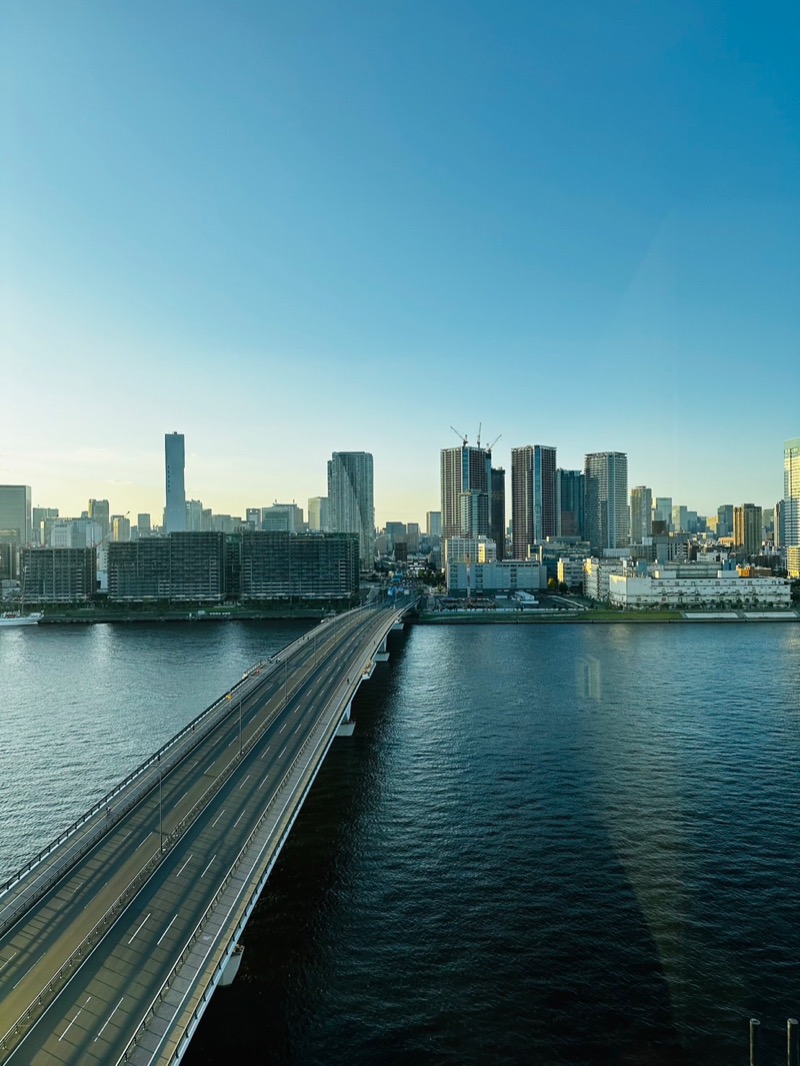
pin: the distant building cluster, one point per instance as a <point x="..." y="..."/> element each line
<point x="569" y="529"/>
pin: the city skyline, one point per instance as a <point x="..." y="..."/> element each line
<point x="345" y="229"/>
<point x="382" y="514"/>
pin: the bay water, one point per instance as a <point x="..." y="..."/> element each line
<point x="546" y="844"/>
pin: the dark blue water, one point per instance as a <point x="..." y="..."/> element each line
<point x="543" y="844"/>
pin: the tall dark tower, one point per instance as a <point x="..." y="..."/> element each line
<point x="497" y="518"/>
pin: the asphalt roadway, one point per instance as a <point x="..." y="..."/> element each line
<point x="94" y="1011"/>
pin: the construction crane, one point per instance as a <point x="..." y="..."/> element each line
<point x="463" y="436"/>
<point x="496" y="439"/>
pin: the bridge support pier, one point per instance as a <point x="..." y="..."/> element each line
<point x="347" y="725"/>
<point x="382" y="654"/>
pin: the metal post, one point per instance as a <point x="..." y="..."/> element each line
<point x="792" y="1043"/>
<point x="240" y="725"/>
<point x="285" y="680"/>
<point x="755" y="1026"/>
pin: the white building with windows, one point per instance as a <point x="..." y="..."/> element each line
<point x="693" y="588"/>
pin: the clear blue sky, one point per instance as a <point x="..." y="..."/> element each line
<point x="285" y="229"/>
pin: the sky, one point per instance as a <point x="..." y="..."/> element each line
<point x="291" y="228"/>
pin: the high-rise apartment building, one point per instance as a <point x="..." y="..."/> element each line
<point x="465" y="469"/>
<point x="747" y="528"/>
<point x="15" y="512"/>
<point x="175" y="463"/>
<point x="606" y="500"/>
<point x="497" y="511"/>
<point x="351" y="500"/>
<point x="569" y="503"/>
<point x="641" y="513"/>
<point x="790" y="512"/>
<point x="533" y="496"/>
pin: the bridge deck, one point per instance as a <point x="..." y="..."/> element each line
<point x="115" y="940"/>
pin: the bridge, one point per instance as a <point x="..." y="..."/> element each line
<point x="113" y="938"/>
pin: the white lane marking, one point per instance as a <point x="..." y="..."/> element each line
<point x="283" y="727"/>
<point x="145" y="840"/>
<point x="139" y="929"/>
<point x="203" y="874"/>
<point x="263" y="779"/>
<point x="108" y="1019"/>
<point x="244" y="782"/>
<point x="178" y="874"/>
<point x="125" y="835"/>
<point x="208" y="768"/>
<point x="32" y="968"/>
<point x="299" y="728"/>
<point x="265" y="753"/>
<point x="281" y="754"/>
<point x="183" y="797"/>
<point x="218" y="817"/>
<point x="161" y="937"/>
<point x="73" y="1021"/>
<point x="239" y="819"/>
<point x="7" y="961"/>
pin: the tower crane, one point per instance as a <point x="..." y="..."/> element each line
<point x="461" y="435"/>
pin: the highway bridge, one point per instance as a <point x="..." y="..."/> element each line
<point x="113" y="939"/>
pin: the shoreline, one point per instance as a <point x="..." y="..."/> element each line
<point x="604" y="618"/>
<point x="310" y="614"/>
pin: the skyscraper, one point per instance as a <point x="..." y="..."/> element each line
<point x="175" y="462"/>
<point x="465" y="469"/>
<point x="606" y="496"/>
<point x="662" y="512"/>
<point x="318" y="521"/>
<point x="569" y="503"/>
<point x="351" y="501"/>
<point x="497" y="511"/>
<point x="725" y="520"/>
<point x="790" y="513"/>
<point x="533" y="496"/>
<point x="747" y="528"/>
<point x="15" y="512"/>
<point x="641" y="513"/>
<point x="100" y="512"/>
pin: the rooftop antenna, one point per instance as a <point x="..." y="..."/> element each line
<point x="461" y="435"/>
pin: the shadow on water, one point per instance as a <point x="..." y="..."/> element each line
<point x="437" y="970"/>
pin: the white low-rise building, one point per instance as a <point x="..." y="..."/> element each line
<point x="680" y="588"/>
